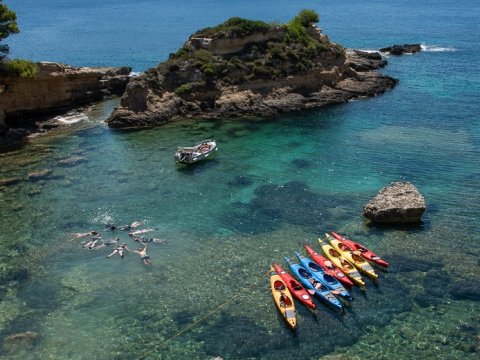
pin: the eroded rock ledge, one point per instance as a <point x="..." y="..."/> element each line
<point x="221" y="72"/>
<point x="55" y="88"/>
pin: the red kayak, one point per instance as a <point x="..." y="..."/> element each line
<point x="360" y="250"/>
<point x="295" y="288"/>
<point x="328" y="266"/>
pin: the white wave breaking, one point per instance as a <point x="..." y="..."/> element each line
<point x="71" y="119"/>
<point x="437" y="48"/>
<point x="135" y="73"/>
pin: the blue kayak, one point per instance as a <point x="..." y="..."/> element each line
<point x="329" y="281"/>
<point x="313" y="285"/>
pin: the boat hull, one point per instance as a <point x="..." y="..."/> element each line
<point x="343" y="264"/>
<point x="360" y="263"/>
<point x="297" y="290"/>
<point x="330" y="282"/>
<point x="329" y="267"/>
<point x="199" y="152"/>
<point x="323" y="294"/>
<point x="361" y="250"/>
<point x="283" y="299"/>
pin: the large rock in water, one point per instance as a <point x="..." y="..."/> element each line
<point x="402" y="49"/>
<point x="400" y="202"/>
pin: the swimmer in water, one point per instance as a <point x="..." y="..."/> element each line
<point x="143" y="255"/>
<point x="144" y="240"/>
<point x="119" y="250"/>
<point x="81" y="235"/>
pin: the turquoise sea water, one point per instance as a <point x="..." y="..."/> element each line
<point x="273" y="185"/>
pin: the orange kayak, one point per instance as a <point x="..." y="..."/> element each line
<point x="283" y="299"/>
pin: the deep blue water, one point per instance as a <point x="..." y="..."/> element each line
<point x="273" y="185"/>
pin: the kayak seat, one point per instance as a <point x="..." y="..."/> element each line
<point x="278" y="285"/>
<point x="295" y="285"/>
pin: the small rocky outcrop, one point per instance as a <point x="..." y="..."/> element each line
<point x="365" y="61"/>
<point x="400" y="202"/>
<point x="402" y="49"/>
<point x="56" y="88"/>
<point x="250" y="68"/>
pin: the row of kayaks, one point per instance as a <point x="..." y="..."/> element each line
<point x="329" y="278"/>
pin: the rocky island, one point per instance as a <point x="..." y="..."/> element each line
<point x="251" y="68"/>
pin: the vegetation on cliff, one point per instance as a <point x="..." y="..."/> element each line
<point x="19" y="67"/>
<point x="297" y="47"/>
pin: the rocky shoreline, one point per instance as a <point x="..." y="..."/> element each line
<point x="261" y="99"/>
<point x="25" y="103"/>
<point x="240" y="68"/>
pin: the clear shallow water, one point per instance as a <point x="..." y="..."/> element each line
<point x="272" y="186"/>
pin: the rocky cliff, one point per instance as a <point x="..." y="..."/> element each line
<point x="245" y="68"/>
<point x="55" y="88"/>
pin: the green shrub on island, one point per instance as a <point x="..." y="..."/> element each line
<point x="184" y="89"/>
<point x="18" y="67"/>
<point x="235" y="26"/>
<point x="307" y="18"/>
<point x="302" y="48"/>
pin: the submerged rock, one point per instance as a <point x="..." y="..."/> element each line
<point x="21" y="341"/>
<point x="72" y="160"/>
<point x="39" y="174"/>
<point x="466" y="290"/>
<point x="400" y="202"/>
<point x="9" y="181"/>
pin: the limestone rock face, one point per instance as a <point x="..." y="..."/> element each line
<point x="400" y="202"/>
<point x="230" y="45"/>
<point x="55" y="88"/>
<point x="336" y="83"/>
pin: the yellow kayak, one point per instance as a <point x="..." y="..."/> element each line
<point x="346" y="266"/>
<point x="283" y="299"/>
<point x="360" y="263"/>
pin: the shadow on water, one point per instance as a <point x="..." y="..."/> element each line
<point x="410" y="227"/>
<point x="231" y="337"/>
<point x="301" y="164"/>
<point x="273" y="205"/>
<point x="240" y="181"/>
<point x="199" y="167"/>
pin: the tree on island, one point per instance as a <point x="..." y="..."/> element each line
<point x="8" y="26"/>
<point x="307" y="17"/>
<point x="15" y="67"/>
